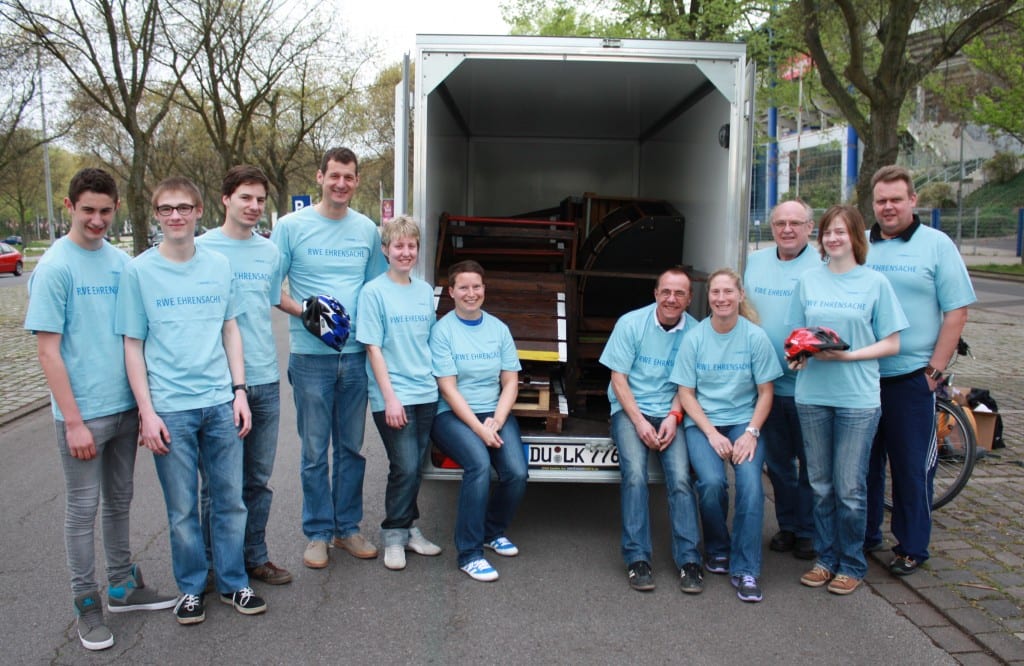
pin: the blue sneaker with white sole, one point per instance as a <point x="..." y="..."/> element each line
<point x="502" y="546"/>
<point x="480" y="569"/>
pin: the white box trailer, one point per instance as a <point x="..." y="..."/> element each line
<point x="509" y="124"/>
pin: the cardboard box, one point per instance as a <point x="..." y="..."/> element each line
<point x="986" y="422"/>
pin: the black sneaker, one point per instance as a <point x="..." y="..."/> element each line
<point x="747" y="588"/>
<point x="640" y="576"/>
<point x="190" y="609"/>
<point x="903" y="565"/>
<point x="691" y="579"/>
<point x="245" y="601"/>
<point x="803" y="549"/>
<point x="783" y="541"/>
<point x="717" y="565"/>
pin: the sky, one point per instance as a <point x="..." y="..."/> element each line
<point x="395" y="23"/>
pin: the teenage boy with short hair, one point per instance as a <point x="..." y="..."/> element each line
<point x="72" y="297"/>
<point x="256" y="264"/>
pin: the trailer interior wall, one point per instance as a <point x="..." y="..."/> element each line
<point x="447" y="163"/>
<point x="685" y="165"/>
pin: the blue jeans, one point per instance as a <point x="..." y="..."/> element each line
<point x="330" y="406"/>
<point x="259" y="452"/>
<point x="838" y="442"/>
<point x="206" y="437"/>
<point x="636" y="515"/>
<point x="906" y="437"/>
<point x="481" y="519"/>
<point x="406" y="447"/>
<point x="110" y="475"/>
<point x="744" y="549"/>
<point x="787" y="468"/>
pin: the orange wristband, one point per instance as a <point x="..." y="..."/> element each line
<point x="678" y="415"/>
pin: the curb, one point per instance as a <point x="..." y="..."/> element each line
<point x="963" y="631"/>
<point x="24" y="410"/>
<point x="993" y="275"/>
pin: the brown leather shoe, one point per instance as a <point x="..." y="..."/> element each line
<point x="816" y="577"/>
<point x="843" y="584"/>
<point x="270" y="573"/>
<point x="357" y="546"/>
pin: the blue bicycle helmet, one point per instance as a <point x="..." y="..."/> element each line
<point x="325" y="317"/>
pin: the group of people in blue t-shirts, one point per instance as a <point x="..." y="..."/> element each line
<point x="721" y="392"/>
<point x="183" y="335"/>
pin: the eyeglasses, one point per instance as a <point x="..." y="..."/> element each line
<point x="183" y="209"/>
<point x="782" y="224"/>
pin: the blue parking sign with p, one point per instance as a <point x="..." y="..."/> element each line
<point x="300" y="201"/>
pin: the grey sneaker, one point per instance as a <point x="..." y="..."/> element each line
<point x="133" y="595"/>
<point x="91" y="630"/>
<point x="420" y="545"/>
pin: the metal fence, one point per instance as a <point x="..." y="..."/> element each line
<point x="974" y="230"/>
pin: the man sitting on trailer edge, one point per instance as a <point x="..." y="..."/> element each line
<point x="646" y="413"/>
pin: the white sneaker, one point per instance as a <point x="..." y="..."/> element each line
<point x="481" y="570"/>
<point x="394" y="557"/>
<point x="420" y="545"/>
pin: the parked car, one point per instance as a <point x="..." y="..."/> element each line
<point x="10" y="260"/>
<point x="15" y="240"/>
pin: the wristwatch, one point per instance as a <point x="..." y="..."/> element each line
<point x="756" y="432"/>
<point x="934" y="373"/>
<point x="239" y="387"/>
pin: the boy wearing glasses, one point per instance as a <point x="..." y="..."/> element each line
<point x="176" y="308"/>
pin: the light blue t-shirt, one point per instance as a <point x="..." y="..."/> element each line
<point x="256" y="264"/>
<point x="929" y="279"/>
<point x="179" y="310"/>
<point x="398" y="318"/>
<point x="476" y="355"/>
<point x="73" y="291"/>
<point x="861" y="307"/>
<point x="644" y="351"/>
<point x="725" y="369"/>
<point x="324" y="256"/>
<point x="769" y="283"/>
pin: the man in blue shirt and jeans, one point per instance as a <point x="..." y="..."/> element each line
<point x="646" y="416"/>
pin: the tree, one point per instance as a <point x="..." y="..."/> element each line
<point x="112" y="51"/>
<point x="661" y="19"/>
<point x="861" y="51"/>
<point x="1001" y="107"/>
<point x="298" y="122"/>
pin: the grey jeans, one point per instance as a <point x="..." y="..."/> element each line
<point x="110" y="473"/>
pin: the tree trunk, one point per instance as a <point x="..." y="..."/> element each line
<point x="881" y="148"/>
<point x="138" y="202"/>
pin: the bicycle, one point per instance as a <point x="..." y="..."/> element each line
<point x="956" y="443"/>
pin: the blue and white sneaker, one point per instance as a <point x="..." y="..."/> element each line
<point x="480" y="569"/>
<point x="747" y="588"/>
<point x="503" y="547"/>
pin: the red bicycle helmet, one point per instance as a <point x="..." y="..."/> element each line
<point x="804" y="342"/>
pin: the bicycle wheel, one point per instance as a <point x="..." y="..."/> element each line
<point x="957" y="449"/>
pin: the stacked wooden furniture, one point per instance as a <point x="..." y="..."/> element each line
<point x="525" y="262"/>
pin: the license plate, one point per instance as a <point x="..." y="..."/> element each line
<point x="574" y="456"/>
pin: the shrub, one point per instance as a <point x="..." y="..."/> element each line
<point x="1001" y="168"/>
<point x="936" y="195"/>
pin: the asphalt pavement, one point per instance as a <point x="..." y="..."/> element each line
<point x="563" y="600"/>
